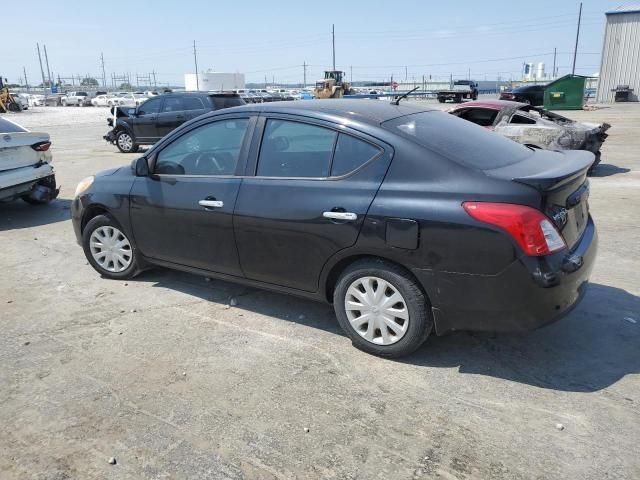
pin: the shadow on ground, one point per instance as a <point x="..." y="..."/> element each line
<point x="592" y="348"/>
<point x="18" y="214"/>
<point x="607" y="169"/>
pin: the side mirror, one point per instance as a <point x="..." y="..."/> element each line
<point x="140" y="167"/>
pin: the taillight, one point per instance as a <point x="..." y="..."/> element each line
<point x="41" y="146"/>
<point x="530" y="228"/>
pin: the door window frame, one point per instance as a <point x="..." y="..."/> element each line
<point x="152" y="155"/>
<point x="260" y="129"/>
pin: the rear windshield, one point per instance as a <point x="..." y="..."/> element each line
<point x="225" y="101"/>
<point x="9" y="127"/>
<point x="459" y="140"/>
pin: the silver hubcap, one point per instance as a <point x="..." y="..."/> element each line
<point x="376" y="310"/>
<point x="125" y="141"/>
<point x="110" y="249"/>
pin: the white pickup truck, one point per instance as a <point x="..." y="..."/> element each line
<point x="79" y="99"/>
<point x="25" y="165"/>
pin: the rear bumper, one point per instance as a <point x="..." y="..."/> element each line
<point x="18" y="181"/>
<point x="530" y="293"/>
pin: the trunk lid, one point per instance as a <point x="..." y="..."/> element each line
<point x="16" y="151"/>
<point x="561" y="179"/>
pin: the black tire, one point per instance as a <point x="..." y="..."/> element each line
<point x="123" y="145"/>
<point x="441" y="100"/>
<point x="420" y="317"/>
<point x="107" y="221"/>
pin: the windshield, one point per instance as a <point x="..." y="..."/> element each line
<point x="459" y="140"/>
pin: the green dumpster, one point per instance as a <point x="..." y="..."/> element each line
<point x="565" y="93"/>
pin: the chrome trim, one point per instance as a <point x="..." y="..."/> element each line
<point x="340" y="215"/>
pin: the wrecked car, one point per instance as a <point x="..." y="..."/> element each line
<point x="25" y="165"/>
<point x="153" y="119"/>
<point x="534" y="126"/>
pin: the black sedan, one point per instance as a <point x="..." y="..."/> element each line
<point x="407" y="219"/>
<point x="531" y="94"/>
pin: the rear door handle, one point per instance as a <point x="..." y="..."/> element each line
<point x="211" y="203"/>
<point x="340" y="215"/>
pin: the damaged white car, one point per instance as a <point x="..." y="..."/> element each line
<point x="534" y="126"/>
<point x="25" y="165"/>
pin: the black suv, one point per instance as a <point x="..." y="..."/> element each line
<point x="156" y="117"/>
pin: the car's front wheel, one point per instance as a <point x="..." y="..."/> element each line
<point x="125" y="142"/>
<point x="108" y="249"/>
<point x="382" y="309"/>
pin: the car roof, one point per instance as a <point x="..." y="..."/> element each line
<point x="494" y="104"/>
<point x="373" y="112"/>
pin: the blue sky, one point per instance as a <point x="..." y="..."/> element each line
<point x="273" y="39"/>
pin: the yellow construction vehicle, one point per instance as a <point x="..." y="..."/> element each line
<point x="332" y="86"/>
<point x="7" y="103"/>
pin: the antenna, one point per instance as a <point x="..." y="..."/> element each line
<point x="404" y="95"/>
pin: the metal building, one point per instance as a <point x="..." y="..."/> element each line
<point x="209" y="80"/>
<point x="620" y="64"/>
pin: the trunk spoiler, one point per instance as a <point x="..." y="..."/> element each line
<point x="545" y="170"/>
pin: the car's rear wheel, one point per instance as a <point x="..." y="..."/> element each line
<point x="382" y="309"/>
<point x="108" y="249"/>
<point x="125" y="142"/>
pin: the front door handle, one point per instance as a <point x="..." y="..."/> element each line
<point x="211" y="203"/>
<point x="340" y="216"/>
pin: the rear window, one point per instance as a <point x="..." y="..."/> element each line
<point x="226" y="101"/>
<point x="9" y="127"/>
<point x="458" y="140"/>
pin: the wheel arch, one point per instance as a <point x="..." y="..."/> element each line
<point x="335" y="270"/>
<point x="92" y="211"/>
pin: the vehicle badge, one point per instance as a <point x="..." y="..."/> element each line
<point x="560" y="217"/>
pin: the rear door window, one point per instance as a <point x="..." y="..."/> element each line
<point x="294" y="149"/>
<point x="173" y="104"/>
<point x="522" y="120"/>
<point x="192" y="103"/>
<point x="351" y="153"/>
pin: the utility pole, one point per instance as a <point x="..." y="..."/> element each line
<point x="155" y="85"/>
<point x="41" y="70"/>
<point x="26" y="82"/>
<point x="406" y="74"/>
<point x="104" y="77"/>
<point x="575" y="50"/>
<point x="553" y="71"/>
<point x="195" y="61"/>
<point x="46" y="58"/>
<point x="265" y="82"/>
<point x="469" y="75"/>
<point x="351" y="73"/>
<point x="333" y="42"/>
<point x="304" y="66"/>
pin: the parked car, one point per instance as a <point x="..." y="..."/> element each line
<point x="79" y="99"/>
<point x="36" y="100"/>
<point x="158" y="116"/>
<point x="407" y="219"/>
<point x="132" y="99"/>
<point x="531" y="94"/>
<point x="25" y="165"/>
<point x="21" y="99"/>
<point x="107" y="100"/>
<point x="535" y="126"/>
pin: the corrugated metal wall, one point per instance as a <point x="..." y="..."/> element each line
<point x="620" y="55"/>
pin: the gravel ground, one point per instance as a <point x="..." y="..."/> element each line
<point x="163" y="378"/>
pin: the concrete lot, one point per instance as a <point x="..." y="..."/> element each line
<point x="160" y="373"/>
